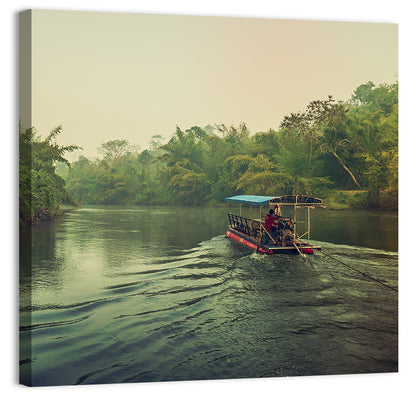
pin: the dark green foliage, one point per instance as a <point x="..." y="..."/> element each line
<point x="125" y="178"/>
<point x="374" y="127"/>
<point x="41" y="190"/>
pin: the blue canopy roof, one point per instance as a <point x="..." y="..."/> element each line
<point x="287" y="200"/>
<point x="250" y="199"/>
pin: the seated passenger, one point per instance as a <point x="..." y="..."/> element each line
<point x="271" y="223"/>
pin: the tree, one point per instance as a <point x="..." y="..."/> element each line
<point x="362" y="94"/>
<point x="267" y="143"/>
<point x="156" y="142"/>
<point x="298" y="124"/>
<point x="320" y="116"/>
<point x="374" y="99"/>
<point x="189" y="182"/>
<point x="41" y="190"/>
<point x="376" y="138"/>
<point x="186" y="156"/>
<point x="114" y="149"/>
<point x="262" y="176"/>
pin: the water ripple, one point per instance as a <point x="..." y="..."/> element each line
<point x="54" y="324"/>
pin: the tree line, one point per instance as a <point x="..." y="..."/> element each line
<point x="328" y="147"/>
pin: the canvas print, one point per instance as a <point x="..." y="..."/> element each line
<point x="206" y="198"/>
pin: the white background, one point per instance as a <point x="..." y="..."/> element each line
<point x="399" y="11"/>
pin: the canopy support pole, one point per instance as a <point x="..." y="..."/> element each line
<point x="294" y="227"/>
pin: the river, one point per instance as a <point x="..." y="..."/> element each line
<point x="112" y="294"/>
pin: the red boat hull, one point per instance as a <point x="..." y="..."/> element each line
<point x="234" y="236"/>
<point x="247" y="241"/>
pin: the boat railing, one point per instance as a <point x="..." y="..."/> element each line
<point x="243" y="224"/>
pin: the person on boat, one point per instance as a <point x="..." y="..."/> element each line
<point x="280" y="224"/>
<point x="277" y="211"/>
<point x="271" y="224"/>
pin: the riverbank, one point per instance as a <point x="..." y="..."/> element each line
<point x="44" y="216"/>
<point x="359" y="199"/>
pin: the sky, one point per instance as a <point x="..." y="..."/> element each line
<point x="105" y="76"/>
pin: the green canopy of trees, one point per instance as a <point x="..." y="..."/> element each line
<point x="41" y="190"/>
<point x="329" y="146"/>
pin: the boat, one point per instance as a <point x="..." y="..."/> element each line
<point x="284" y="239"/>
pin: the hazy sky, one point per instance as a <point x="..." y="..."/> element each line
<point x="104" y="76"/>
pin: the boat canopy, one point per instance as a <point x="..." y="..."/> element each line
<point x="285" y="200"/>
<point x="250" y="199"/>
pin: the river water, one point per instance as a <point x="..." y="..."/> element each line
<point x="138" y="294"/>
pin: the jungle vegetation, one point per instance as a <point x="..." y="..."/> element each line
<point x="41" y="190"/>
<point x="346" y="152"/>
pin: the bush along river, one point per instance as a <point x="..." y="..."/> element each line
<point x="115" y="294"/>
